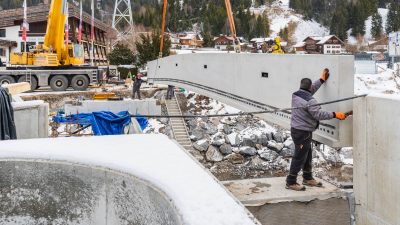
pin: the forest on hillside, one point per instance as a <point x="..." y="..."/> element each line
<point x="210" y="15"/>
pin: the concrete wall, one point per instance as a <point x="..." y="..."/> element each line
<point x="143" y="107"/>
<point x="31" y="119"/>
<point x="377" y="160"/>
<point x="241" y="75"/>
<point x="48" y="192"/>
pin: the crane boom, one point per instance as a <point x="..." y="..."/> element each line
<point x="54" y="38"/>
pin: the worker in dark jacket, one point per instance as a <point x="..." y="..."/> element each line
<point x="305" y="119"/>
<point x="136" y="85"/>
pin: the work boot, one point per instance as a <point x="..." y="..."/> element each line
<point x="312" y="183"/>
<point x="295" y="187"/>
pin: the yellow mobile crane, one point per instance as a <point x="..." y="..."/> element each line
<point x="54" y="63"/>
<point x="54" y="51"/>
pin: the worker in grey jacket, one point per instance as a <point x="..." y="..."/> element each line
<point x="305" y="120"/>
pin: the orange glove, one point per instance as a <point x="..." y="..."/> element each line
<point x="340" y="115"/>
<point x="325" y="74"/>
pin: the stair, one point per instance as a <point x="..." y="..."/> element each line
<point x="178" y="125"/>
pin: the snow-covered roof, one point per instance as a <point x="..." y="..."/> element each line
<point x="261" y="40"/>
<point x="198" y="197"/>
<point x="322" y="39"/>
<point x="299" y="45"/>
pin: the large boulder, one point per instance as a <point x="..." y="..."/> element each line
<point x="227" y="129"/>
<point x="192" y="124"/>
<point x="218" y="139"/>
<point x="247" y="151"/>
<point x="235" y="158"/>
<point x="269" y="155"/>
<point x="289" y="144"/>
<point x="278" y="137"/>
<point x="210" y="129"/>
<point x="234" y="139"/>
<point x="197" y="134"/>
<point x="250" y="140"/>
<point x="263" y="140"/>
<point x="240" y="127"/>
<point x="257" y="164"/>
<point x="201" y="145"/>
<point x="275" y="146"/>
<point x="213" y="154"/>
<point x="225" y="149"/>
<point x="286" y="152"/>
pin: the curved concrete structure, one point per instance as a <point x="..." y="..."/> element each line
<point x="255" y="82"/>
<point x="42" y="192"/>
<point x="130" y="179"/>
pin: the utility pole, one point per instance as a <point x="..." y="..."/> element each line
<point x="122" y="20"/>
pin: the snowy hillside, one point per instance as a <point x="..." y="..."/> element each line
<point x="368" y="25"/>
<point x="280" y="16"/>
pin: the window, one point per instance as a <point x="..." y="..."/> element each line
<point x="29" y="45"/>
<point x="2" y="52"/>
<point x="328" y="51"/>
<point x="3" y="33"/>
<point x="328" y="46"/>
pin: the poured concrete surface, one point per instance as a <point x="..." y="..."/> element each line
<point x="377" y="159"/>
<point x="256" y="192"/>
<point x="159" y="177"/>
<point x="333" y="211"/>
<point x="42" y="192"/>
<point x="257" y="82"/>
<point x="272" y="204"/>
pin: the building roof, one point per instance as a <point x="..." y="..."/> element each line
<point x="299" y="45"/>
<point x="260" y="40"/>
<point x="224" y="36"/>
<point x="40" y="13"/>
<point x="322" y="39"/>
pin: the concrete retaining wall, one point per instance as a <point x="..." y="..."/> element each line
<point x="377" y="160"/>
<point x="266" y="79"/>
<point x="143" y="107"/>
<point x="47" y="192"/>
<point x="31" y="119"/>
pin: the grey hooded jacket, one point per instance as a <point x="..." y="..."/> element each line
<point x="307" y="118"/>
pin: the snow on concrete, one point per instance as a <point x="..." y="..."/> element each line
<point x="385" y="82"/>
<point x="154" y="158"/>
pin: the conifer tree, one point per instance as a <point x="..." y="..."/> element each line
<point x="376" y="29"/>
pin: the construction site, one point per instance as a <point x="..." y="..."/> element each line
<point x="194" y="139"/>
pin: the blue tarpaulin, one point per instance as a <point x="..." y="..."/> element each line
<point x="103" y="123"/>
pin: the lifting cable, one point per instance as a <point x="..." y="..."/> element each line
<point x="250" y="113"/>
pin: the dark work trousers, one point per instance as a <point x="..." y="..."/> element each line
<point x="302" y="158"/>
<point x="170" y="92"/>
<point x="136" y="89"/>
